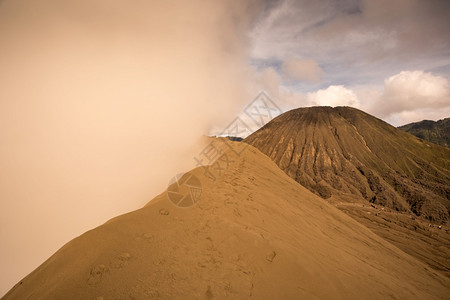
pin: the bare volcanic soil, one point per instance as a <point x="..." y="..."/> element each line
<point x="254" y="233"/>
<point x="344" y="151"/>
<point x="390" y="181"/>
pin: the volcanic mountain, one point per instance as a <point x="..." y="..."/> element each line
<point x="345" y="152"/>
<point x="353" y="159"/>
<point x="253" y="233"/>
<point x="437" y="132"/>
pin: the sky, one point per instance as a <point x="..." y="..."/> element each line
<point x="102" y="102"/>
<point x="388" y="58"/>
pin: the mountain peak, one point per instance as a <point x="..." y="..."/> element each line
<point x="343" y="151"/>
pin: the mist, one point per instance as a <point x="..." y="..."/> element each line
<point x="101" y="104"/>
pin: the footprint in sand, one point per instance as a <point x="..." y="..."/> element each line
<point x="184" y="190"/>
<point x="98" y="271"/>
<point x="148" y="236"/>
<point x="164" y="212"/>
<point x="97" y="274"/>
<point x="270" y="256"/>
<point x="120" y="261"/>
<point x="208" y="293"/>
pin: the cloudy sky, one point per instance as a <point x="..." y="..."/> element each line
<point x="389" y="58"/>
<point x="101" y="101"/>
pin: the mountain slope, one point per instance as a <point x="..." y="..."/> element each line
<point x="255" y="233"/>
<point x="437" y="132"/>
<point x="351" y="158"/>
<point x="347" y="153"/>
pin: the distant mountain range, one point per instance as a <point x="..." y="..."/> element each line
<point x="437" y="132"/>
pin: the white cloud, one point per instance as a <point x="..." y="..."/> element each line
<point x="356" y="42"/>
<point x="334" y="95"/>
<point x="302" y="69"/>
<point x="412" y="90"/>
<point x="408" y="96"/>
<point x="406" y="117"/>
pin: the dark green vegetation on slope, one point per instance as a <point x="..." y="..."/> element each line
<point x="437" y="132"/>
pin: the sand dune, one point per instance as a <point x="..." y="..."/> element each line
<point x="254" y="233"/>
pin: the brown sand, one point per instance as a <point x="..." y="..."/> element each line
<point x="390" y="181"/>
<point x="344" y="151"/>
<point x="255" y="233"/>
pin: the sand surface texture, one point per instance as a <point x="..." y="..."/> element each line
<point x="254" y="233"/>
